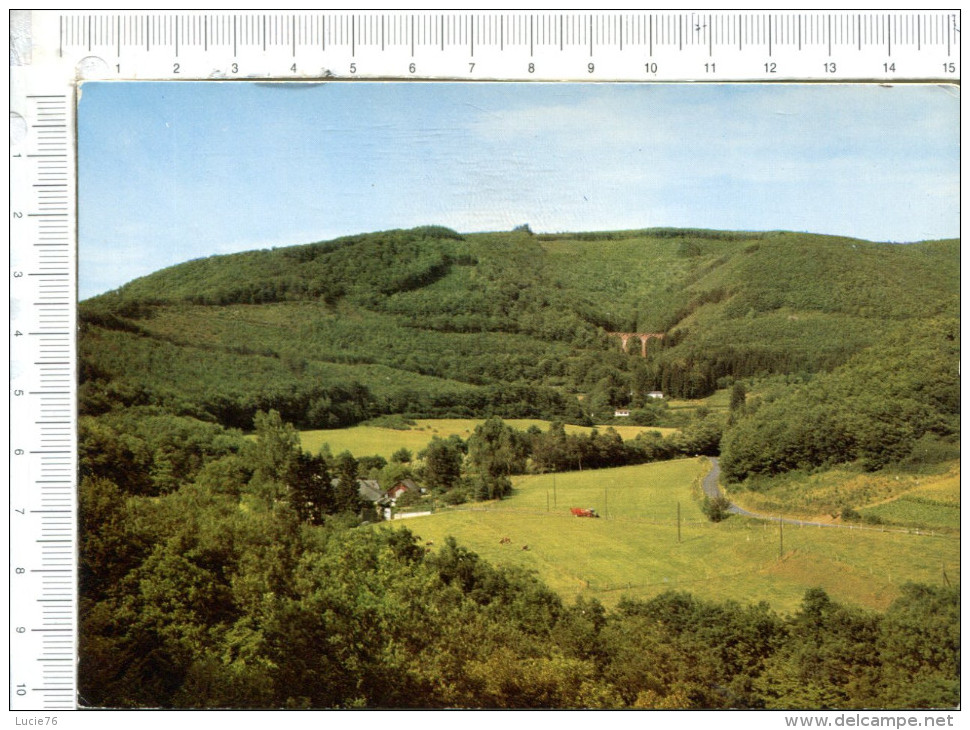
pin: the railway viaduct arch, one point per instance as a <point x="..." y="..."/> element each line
<point x="644" y="337"/>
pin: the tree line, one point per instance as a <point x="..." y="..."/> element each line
<point x="148" y="452"/>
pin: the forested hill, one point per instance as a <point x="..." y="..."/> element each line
<point x="428" y="321"/>
<point x="218" y="569"/>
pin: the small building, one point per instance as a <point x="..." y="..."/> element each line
<point x="655" y="394"/>
<point x="405" y="485"/>
<point x="621" y="413"/>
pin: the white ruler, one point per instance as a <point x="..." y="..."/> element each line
<point x="51" y="51"/>
<point x="42" y="452"/>
<point x="614" y="46"/>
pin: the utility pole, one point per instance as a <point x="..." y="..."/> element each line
<point x="781" y="538"/>
<point x="678" y="522"/>
<point x="555" y="502"/>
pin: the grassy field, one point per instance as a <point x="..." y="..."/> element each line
<point x="719" y="401"/>
<point x="634" y="549"/>
<point x="371" y="440"/>
<point x="934" y="504"/>
<point x="930" y="501"/>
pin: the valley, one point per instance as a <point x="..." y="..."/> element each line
<point x="248" y="423"/>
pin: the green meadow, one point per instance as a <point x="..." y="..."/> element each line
<point x="376" y="440"/>
<point x="634" y="548"/>
<point x="718" y="401"/>
<point x="934" y="504"/>
<point x="892" y="497"/>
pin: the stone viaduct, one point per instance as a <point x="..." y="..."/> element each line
<point x="642" y="336"/>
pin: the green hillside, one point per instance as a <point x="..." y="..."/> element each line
<point x="428" y="322"/>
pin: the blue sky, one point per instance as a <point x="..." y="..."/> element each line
<point x="177" y="170"/>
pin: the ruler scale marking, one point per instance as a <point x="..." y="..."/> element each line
<point x="50" y="443"/>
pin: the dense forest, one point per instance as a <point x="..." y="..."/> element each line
<point x="896" y="402"/>
<point x="428" y="322"/>
<point x="221" y="565"/>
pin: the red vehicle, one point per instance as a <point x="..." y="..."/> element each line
<point x="580" y="512"/>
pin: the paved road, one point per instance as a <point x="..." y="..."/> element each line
<point x="712" y="490"/>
